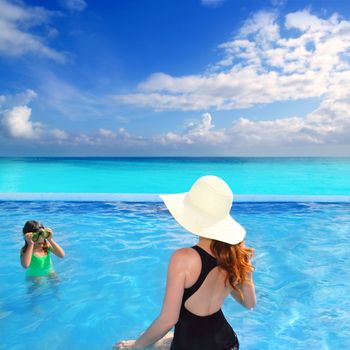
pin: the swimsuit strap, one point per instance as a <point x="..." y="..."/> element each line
<point x="208" y="263"/>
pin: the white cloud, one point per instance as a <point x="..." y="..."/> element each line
<point x="106" y="133"/>
<point x="329" y="124"/>
<point x="239" y="88"/>
<point x="326" y="126"/>
<point x="22" y="98"/>
<point x="259" y="66"/>
<point x="74" y="5"/>
<point x="17" y="123"/>
<point x="15" y="115"/>
<point x="16" y="120"/>
<point x="197" y="132"/>
<point x="106" y="138"/>
<point x="304" y="20"/>
<point x="59" y="134"/>
<point x="16" y="19"/>
<point x="262" y="27"/>
<point x="121" y="136"/>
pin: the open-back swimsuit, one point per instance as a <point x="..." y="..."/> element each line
<point x="212" y="332"/>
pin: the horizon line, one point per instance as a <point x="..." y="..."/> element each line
<point x="202" y="156"/>
<point x="154" y="197"/>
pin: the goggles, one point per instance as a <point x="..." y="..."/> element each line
<point x="44" y="233"/>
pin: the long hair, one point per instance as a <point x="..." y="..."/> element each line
<point x="235" y="260"/>
<point x="33" y="226"/>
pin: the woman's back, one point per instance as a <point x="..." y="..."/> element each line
<point x="201" y="324"/>
<point x="209" y="281"/>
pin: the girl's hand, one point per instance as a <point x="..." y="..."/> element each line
<point x="50" y="233"/>
<point x="28" y="237"/>
<point x="125" y="345"/>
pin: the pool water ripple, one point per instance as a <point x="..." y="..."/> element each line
<point x="111" y="283"/>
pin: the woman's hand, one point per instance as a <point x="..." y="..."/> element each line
<point x="125" y="345"/>
<point x="28" y="237"/>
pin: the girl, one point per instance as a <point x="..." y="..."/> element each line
<point x="35" y="254"/>
<point x="201" y="277"/>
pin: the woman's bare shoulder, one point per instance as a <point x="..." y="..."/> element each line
<point x="184" y="256"/>
<point x="185" y="252"/>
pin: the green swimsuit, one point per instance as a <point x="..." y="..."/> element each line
<point x="40" y="265"/>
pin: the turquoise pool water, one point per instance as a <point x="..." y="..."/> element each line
<point x="287" y="176"/>
<point x="112" y="279"/>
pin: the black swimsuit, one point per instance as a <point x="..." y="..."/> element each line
<point x="212" y="332"/>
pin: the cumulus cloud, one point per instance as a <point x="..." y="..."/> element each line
<point x="329" y="124"/>
<point x="121" y="136"/>
<point x="17" y="123"/>
<point x="21" y="98"/>
<point x="106" y="133"/>
<point x="201" y="135"/>
<point x="102" y="138"/>
<point x="16" y="120"/>
<point x="99" y="138"/>
<point x="59" y="134"/>
<point x="195" y="133"/>
<point x="259" y="66"/>
<point x="16" y="20"/>
<point x="15" y="116"/>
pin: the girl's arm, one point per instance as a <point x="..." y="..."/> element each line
<point x="56" y="249"/>
<point x="26" y="257"/>
<point x="171" y="305"/>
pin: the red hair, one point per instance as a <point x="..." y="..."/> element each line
<point x="235" y="260"/>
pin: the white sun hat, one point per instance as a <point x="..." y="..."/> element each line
<point x="205" y="210"/>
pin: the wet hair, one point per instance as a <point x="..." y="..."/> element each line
<point x="235" y="260"/>
<point x="33" y="226"/>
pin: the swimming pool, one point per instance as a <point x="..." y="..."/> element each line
<point x="112" y="279"/>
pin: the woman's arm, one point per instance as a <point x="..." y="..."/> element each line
<point x="56" y="249"/>
<point x="170" y="312"/>
<point x="26" y="257"/>
<point x="248" y="291"/>
<point x="172" y="302"/>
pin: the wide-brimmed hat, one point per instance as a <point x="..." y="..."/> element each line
<point x="205" y="210"/>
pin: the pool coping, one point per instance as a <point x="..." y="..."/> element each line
<point x="154" y="197"/>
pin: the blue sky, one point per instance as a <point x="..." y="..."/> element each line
<point x="174" y="78"/>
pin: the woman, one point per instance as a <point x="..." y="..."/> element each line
<point x="201" y="277"/>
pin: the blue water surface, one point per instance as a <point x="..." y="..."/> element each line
<point x="110" y="285"/>
<point x="303" y="176"/>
